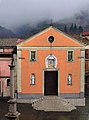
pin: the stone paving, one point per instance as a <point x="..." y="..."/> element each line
<point x="53" y="103"/>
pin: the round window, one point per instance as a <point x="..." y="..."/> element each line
<point x="51" y="39"/>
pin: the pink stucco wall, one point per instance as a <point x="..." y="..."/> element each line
<point x="8" y="50"/>
<point x="4" y="68"/>
<point x="5" y="73"/>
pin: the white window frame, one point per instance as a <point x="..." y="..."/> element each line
<point x="1" y="50"/>
<point x="72" y="55"/>
<point x="33" y="79"/>
<point x="69" y="79"/>
<point x="35" y="56"/>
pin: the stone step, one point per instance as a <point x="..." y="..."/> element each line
<point x="37" y="103"/>
<point x="52" y="103"/>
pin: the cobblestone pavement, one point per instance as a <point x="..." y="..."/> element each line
<point x="28" y="113"/>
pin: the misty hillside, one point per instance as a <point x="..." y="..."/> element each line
<point x="79" y="22"/>
<point x="74" y="25"/>
<point x="5" y="33"/>
<point x="81" y="18"/>
<point x="27" y="30"/>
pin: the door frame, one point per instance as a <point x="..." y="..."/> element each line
<point x="58" y="79"/>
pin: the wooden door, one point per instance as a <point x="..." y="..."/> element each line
<point x="51" y="83"/>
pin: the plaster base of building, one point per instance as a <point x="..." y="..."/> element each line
<point x="76" y="100"/>
<point x="72" y="95"/>
<point x="29" y="96"/>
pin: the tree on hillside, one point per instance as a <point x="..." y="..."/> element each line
<point x="80" y="29"/>
<point x="71" y="28"/>
<point x="75" y="29"/>
<point x="65" y="29"/>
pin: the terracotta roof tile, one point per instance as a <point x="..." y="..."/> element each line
<point x="85" y="33"/>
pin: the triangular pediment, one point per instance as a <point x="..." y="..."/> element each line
<point x="41" y="39"/>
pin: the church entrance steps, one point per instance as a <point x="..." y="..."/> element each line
<point x="53" y="103"/>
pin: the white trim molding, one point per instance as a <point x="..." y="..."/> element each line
<point x="82" y="70"/>
<point x="48" y="47"/>
<point x="18" y="71"/>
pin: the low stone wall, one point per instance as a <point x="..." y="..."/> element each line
<point x="26" y="100"/>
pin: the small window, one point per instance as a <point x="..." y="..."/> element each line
<point x="51" y="39"/>
<point x="33" y="79"/>
<point x="8" y="82"/>
<point x="33" y="56"/>
<point x="1" y="50"/>
<point x="70" y="56"/>
<point x="69" y="79"/>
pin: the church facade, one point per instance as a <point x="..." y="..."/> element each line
<point x="51" y="63"/>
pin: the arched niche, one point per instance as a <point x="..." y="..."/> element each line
<point x="51" y="61"/>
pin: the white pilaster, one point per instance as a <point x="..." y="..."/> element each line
<point x="82" y="70"/>
<point x="18" y="70"/>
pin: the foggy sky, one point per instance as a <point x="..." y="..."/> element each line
<point x="17" y="12"/>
